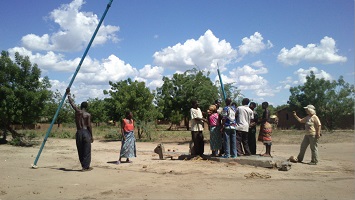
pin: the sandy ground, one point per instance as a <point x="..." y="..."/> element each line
<point x="59" y="175"/>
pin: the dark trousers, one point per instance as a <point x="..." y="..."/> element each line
<point x="252" y="140"/>
<point x="197" y="138"/>
<point x="83" y="145"/>
<point x="242" y="138"/>
<point x="221" y="152"/>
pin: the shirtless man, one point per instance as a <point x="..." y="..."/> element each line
<point x="83" y="133"/>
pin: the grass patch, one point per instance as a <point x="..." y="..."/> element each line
<point x="160" y="133"/>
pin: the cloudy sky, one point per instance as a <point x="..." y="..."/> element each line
<point x="262" y="47"/>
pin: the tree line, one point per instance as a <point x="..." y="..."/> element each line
<point x="26" y="98"/>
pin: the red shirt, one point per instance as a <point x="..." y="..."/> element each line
<point x="128" y="126"/>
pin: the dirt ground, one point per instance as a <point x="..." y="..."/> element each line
<point x="59" y="175"/>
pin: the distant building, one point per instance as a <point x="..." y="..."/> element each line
<point x="286" y="120"/>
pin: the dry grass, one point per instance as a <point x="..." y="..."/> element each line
<point x="161" y="134"/>
<point x="296" y="136"/>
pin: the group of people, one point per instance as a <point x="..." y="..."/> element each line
<point x="233" y="130"/>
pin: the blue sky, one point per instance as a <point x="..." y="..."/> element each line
<point x="262" y="47"/>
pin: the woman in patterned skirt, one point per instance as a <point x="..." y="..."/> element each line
<point x="128" y="148"/>
<point x="215" y="134"/>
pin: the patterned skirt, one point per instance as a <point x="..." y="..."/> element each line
<point x="215" y="138"/>
<point x="265" y="133"/>
<point x="128" y="148"/>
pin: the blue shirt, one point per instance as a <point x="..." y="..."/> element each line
<point x="228" y="115"/>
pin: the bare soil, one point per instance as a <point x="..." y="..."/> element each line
<point x="59" y="175"/>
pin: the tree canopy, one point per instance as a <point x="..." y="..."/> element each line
<point x="23" y="92"/>
<point x="133" y="96"/>
<point x="66" y="114"/>
<point x="177" y="92"/>
<point x="98" y="111"/>
<point x="333" y="100"/>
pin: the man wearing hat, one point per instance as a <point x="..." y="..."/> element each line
<point x="313" y="128"/>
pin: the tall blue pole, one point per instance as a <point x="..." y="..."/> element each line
<point x="71" y="82"/>
<point x="221" y="82"/>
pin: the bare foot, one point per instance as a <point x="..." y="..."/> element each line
<point x="265" y="155"/>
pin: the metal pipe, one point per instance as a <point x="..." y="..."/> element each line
<point x="71" y="82"/>
<point x="221" y="82"/>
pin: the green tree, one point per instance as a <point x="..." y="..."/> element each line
<point x="66" y="114"/>
<point x="177" y="92"/>
<point x="97" y="109"/>
<point x="23" y="92"/>
<point x="231" y="91"/>
<point x="234" y="93"/>
<point x="332" y="99"/>
<point x="134" y="96"/>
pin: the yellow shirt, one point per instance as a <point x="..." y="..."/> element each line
<point x="311" y="124"/>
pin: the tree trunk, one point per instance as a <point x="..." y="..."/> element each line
<point x="13" y="132"/>
<point x="171" y="125"/>
<point x="139" y="134"/>
<point x="3" y="139"/>
<point x="186" y="122"/>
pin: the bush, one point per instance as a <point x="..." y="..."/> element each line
<point x="113" y="135"/>
<point x="26" y="140"/>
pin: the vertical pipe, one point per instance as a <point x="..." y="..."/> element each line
<point x="221" y="82"/>
<point x="71" y="82"/>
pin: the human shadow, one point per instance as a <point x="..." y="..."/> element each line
<point x="110" y="140"/>
<point x="69" y="170"/>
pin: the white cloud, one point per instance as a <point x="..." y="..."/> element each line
<point x="303" y="73"/>
<point x="47" y="62"/>
<point x="112" y="69"/>
<point x="75" y="30"/>
<point x="287" y="86"/>
<point x="266" y="92"/>
<point x="253" y="44"/>
<point x="205" y="52"/>
<point x="247" y="78"/>
<point x="152" y="76"/>
<point x="247" y="70"/>
<point x="58" y="85"/>
<point x="258" y="63"/>
<point x="150" y="72"/>
<point x="155" y="84"/>
<point x="325" y="53"/>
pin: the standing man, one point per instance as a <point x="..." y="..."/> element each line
<point x="83" y="133"/>
<point x="244" y="116"/>
<point x="197" y="122"/>
<point x="228" y="130"/>
<point x="252" y="130"/>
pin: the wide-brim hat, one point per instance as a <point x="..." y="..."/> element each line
<point x="310" y="107"/>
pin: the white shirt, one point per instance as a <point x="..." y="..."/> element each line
<point x="244" y="115"/>
<point x="196" y="125"/>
